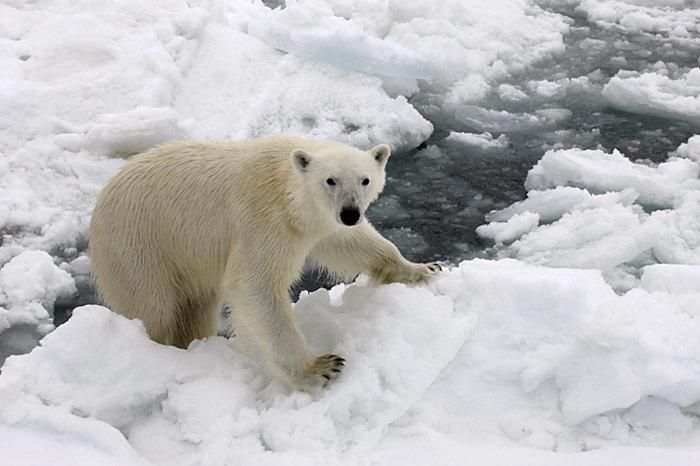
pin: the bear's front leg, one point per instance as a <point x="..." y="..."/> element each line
<point x="266" y="318"/>
<point x="361" y="249"/>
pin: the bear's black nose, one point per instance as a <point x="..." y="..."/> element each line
<point x="350" y="216"/>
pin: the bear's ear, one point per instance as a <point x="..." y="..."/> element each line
<point x="300" y="159"/>
<point x="381" y="153"/>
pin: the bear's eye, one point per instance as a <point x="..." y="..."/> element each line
<point x="330" y="182"/>
<point x="365" y="181"/>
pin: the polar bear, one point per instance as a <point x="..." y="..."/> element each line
<point x="188" y="226"/>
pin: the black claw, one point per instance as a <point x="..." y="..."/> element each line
<point x="335" y="370"/>
<point x="327" y="377"/>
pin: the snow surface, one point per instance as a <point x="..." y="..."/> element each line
<point x="456" y="362"/>
<point x="580" y="346"/>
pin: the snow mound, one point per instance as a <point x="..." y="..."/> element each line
<point x="600" y="210"/>
<point x="444" y="357"/>
<point x="639" y="326"/>
<point x="104" y="367"/>
<point x="656" y="94"/>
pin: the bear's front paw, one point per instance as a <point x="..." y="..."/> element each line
<point x="405" y="272"/>
<point x="421" y="272"/>
<point x="322" y="371"/>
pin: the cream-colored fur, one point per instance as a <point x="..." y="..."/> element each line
<point x="188" y="226"/>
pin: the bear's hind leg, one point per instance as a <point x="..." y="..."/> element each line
<point x="196" y="317"/>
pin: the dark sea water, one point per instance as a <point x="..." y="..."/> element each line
<point x="438" y="194"/>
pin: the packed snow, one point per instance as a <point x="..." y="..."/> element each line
<point x="457" y="359"/>
<point x="577" y="344"/>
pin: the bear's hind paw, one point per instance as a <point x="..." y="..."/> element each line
<point x="322" y="371"/>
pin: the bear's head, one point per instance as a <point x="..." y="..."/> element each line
<point x="342" y="181"/>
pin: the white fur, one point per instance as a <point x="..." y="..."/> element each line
<point x="188" y="226"/>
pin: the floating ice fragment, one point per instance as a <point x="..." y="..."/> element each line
<point x="547" y="89"/>
<point x="509" y="93"/>
<point x="643" y="212"/>
<point x="644" y="16"/>
<point x="33" y="277"/>
<point x="552" y="204"/>
<point x="600" y="172"/>
<point x="501" y="121"/>
<point x="549" y="204"/>
<point x="678" y="231"/>
<point x="483" y="141"/>
<point x="30" y="283"/>
<point x="507" y="232"/>
<point x="690" y="149"/>
<point x="656" y="94"/>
